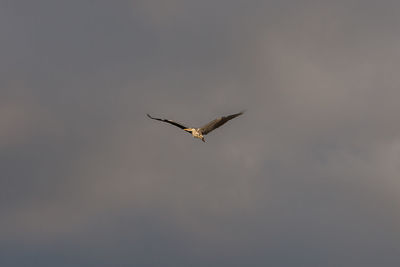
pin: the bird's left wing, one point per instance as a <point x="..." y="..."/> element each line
<point x="169" y="121"/>
<point x="217" y="123"/>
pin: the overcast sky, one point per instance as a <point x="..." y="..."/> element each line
<point x="308" y="176"/>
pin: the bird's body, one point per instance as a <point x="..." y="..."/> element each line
<point x="196" y="133"/>
<point x="200" y="132"/>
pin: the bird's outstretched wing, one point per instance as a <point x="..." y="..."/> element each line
<point x="169" y="121"/>
<point x="217" y="123"/>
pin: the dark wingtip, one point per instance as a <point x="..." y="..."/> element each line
<point x="149" y="116"/>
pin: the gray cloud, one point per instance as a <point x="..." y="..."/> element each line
<point x="308" y="176"/>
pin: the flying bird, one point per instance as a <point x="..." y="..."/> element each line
<point x="200" y="132"/>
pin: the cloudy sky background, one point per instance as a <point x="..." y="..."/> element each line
<point x="309" y="176"/>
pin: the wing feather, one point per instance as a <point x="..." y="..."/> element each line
<point x="218" y="122"/>
<point x="179" y="125"/>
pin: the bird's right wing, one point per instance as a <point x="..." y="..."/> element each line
<point x="217" y="123"/>
<point x="170" y="122"/>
